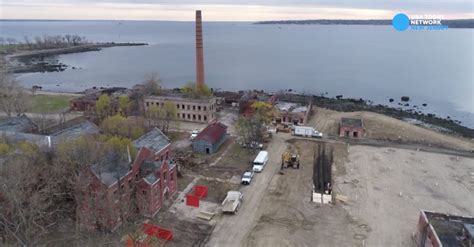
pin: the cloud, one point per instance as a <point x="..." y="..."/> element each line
<point x="226" y="10"/>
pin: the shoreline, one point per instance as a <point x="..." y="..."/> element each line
<point x="340" y="104"/>
<point x="37" y="60"/>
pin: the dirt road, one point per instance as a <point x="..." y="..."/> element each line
<point x="233" y="230"/>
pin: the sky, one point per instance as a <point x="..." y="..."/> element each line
<point x="226" y="10"/>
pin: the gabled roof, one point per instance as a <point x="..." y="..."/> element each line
<point x="154" y="140"/>
<point x="212" y="133"/>
<point x="17" y="124"/>
<point x="111" y="168"/>
<point x="40" y="140"/>
<point x="76" y="131"/>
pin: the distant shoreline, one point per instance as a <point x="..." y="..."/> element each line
<point x="460" y="23"/>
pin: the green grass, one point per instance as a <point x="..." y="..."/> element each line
<point x="49" y="103"/>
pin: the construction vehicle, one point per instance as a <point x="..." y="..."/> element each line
<point x="290" y="159"/>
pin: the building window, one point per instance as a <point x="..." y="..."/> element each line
<point x="199" y="117"/>
<point x="183" y="116"/>
<point x="199" y="107"/>
<point x="177" y="115"/>
<point x="188" y="107"/>
<point x="194" y="107"/>
<point x="194" y="116"/>
<point x="189" y="116"/>
<point x="301" y="120"/>
<point x="147" y="104"/>
<point x="182" y="106"/>
<point x="284" y="119"/>
<point x="205" y="118"/>
<point x="177" y="106"/>
<point x="204" y="107"/>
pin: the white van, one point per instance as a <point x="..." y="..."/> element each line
<point x="260" y="161"/>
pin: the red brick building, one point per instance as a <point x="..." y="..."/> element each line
<point x="292" y="113"/>
<point x="115" y="188"/>
<point x="351" y="127"/>
<point x="246" y="101"/>
<point x="437" y="229"/>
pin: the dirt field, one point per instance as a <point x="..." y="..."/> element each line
<point x="387" y="187"/>
<point x="386" y="128"/>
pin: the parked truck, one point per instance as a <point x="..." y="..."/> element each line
<point x="307" y="131"/>
<point x="232" y="202"/>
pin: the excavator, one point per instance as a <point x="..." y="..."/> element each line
<point x="289" y="158"/>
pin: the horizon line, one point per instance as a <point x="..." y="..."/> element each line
<point x="325" y="19"/>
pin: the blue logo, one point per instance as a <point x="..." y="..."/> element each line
<point x="401" y="22"/>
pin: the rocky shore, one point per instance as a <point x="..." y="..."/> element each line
<point x="41" y="60"/>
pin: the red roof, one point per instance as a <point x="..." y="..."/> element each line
<point x="212" y="133"/>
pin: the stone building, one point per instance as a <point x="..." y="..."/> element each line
<point x="351" y="127"/>
<point x="188" y="109"/>
<point x="115" y="188"/>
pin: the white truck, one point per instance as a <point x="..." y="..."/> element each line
<point x="307" y="131"/>
<point x="260" y="161"/>
<point x="232" y="202"/>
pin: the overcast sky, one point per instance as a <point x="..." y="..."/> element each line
<point x="226" y="10"/>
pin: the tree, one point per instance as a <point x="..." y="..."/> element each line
<point x="169" y="113"/>
<point x="251" y="130"/>
<point x="191" y="90"/>
<point x="265" y="111"/>
<point x="124" y="104"/>
<point x="119" y="125"/>
<point x="103" y="106"/>
<point x="152" y="84"/>
<point x="161" y="116"/>
<point x="12" y="97"/>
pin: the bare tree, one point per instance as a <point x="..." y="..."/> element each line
<point x="11" y="95"/>
<point x="152" y="84"/>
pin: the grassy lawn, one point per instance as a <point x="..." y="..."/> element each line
<point x="49" y="103"/>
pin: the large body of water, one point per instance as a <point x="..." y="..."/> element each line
<point x="370" y="62"/>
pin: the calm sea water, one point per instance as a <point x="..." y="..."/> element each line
<point x="372" y="62"/>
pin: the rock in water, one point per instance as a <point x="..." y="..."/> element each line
<point x="405" y="98"/>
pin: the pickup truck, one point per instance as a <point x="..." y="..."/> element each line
<point x="232" y="202"/>
<point x="247" y="177"/>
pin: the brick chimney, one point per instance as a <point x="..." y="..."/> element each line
<point x="199" y="51"/>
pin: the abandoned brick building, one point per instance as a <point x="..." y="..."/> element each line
<point x="201" y="110"/>
<point x="247" y="100"/>
<point x="292" y="113"/>
<point x="87" y="102"/>
<point x="115" y="188"/>
<point x="437" y="229"/>
<point x="351" y="127"/>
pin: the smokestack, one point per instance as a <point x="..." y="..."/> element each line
<point x="199" y="51"/>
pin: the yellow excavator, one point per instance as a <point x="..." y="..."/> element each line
<point x="289" y="158"/>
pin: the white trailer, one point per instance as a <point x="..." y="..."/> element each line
<point x="232" y="202"/>
<point x="307" y="131"/>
